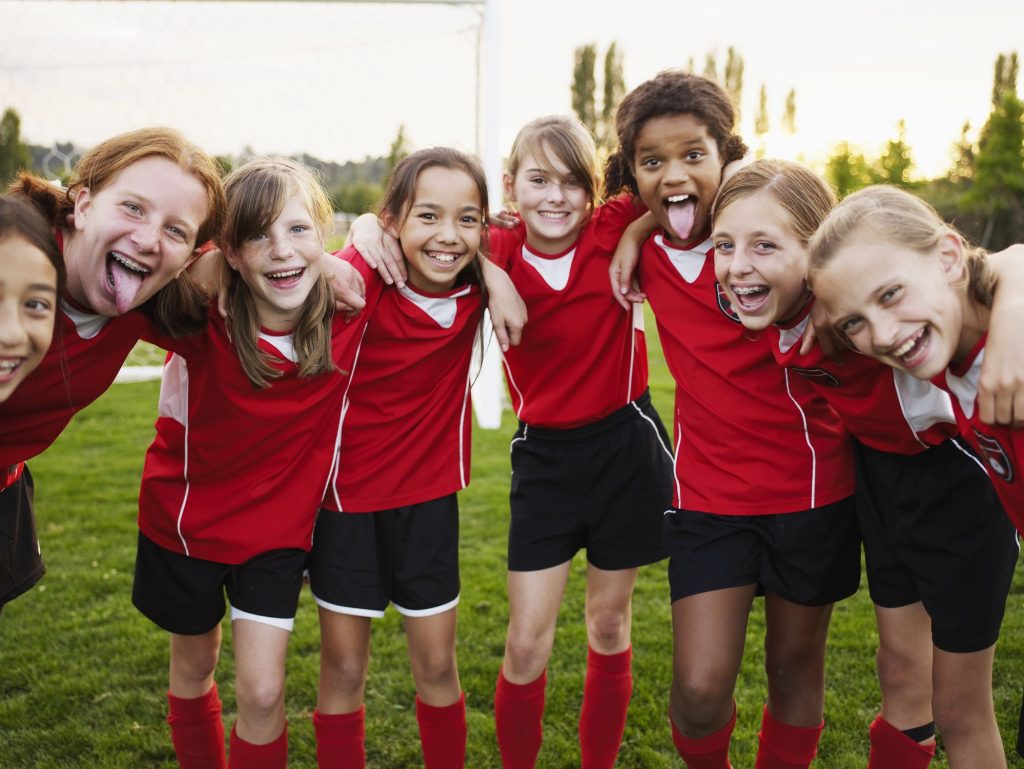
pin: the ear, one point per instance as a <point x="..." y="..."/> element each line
<point x="951" y="257"/>
<point x="83" y="204"/>
<point x="389" y="224"/>
<point x="229" y="256"/>
<point x="508" y="183"/>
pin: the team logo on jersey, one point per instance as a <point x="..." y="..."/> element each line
<point x="724" y="304"/>
<point x="818" y="376"/>
<point x="996" y="457"/>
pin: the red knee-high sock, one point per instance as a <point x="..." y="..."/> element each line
<point x="245" y="755"/>
<point x="340" y="739"/>
<point x="442" y="734"/>
<point x="781" y="746"/>
<point x="197" y="730"/>
<point x="710" y="752"/>
<point x="518" y="711"/>
<point x="606" y="693"/>
<point x="892" y="749"/>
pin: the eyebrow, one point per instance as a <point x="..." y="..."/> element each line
<point x="50" y="289"/>
<point x="438" y="207"/>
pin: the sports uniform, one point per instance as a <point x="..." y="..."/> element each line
<point x="915" y="486"/>
<point x="404" y="451"/>
<point x="235" y="472"/>
<point x="81" y="363"/>
<point x="591" y="464"/>
<point x="999" y="447"/>
<point x="752" y="442"/>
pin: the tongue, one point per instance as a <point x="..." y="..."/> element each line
<point x="126" y="286"/>
<point x="681" y="216"/>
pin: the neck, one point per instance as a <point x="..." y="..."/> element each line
<point x="975" y="325"/>
<point x="73" y="283"/>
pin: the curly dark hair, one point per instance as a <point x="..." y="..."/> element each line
<point x="672" y="92"/>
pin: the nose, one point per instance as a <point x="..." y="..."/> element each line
<point x="280" y="248"/>
<point x="447" y="232"/>
<point x="884" y="333"/>
<point x="12" y="332"/>
<point x="146" y="237"/>
<point x="676" y="172"/>
<point x="740" y="264"/>
<point x="555" y="192"/>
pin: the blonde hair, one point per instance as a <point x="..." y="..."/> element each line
<point x="901" y="218"/>
<point x="801" y="193"/>
<point x="257" y="192"/>
<point x="568" y="141"/>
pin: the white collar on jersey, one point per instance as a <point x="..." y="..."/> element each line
<point x="442" y="309"/>
<point x="87" y="324"/>
<point x="283" y="343"/>
<point x="554" y="271"/>
<point x="688" y="262"/>
<point x="965" y="387"/>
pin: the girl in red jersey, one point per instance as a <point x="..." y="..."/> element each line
<point x="141" y="201"/>
<point x="590" y="462"/>
<point x="388" y="531"/>
<point x="764" y="477"/>
<point x="937" y="575"/>
<point x="246" y="431"/>
<point x="31" y="280"/>
<point x="904" y="287"/>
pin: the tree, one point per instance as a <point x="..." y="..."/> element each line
<point x="398" y="150"/>
<point x="789" y="114"/>
<point x="761" y="124"/>
<point x="894" y="166"/>
<point x="710" y="66"/>
<point x="14" y="153"/>
<point x="847" y="170"/>
<point x="732" y="79"/>
<point x="358" y="197"/>
<point x="1005" y="80"/>
<point x="962" y="171"/>
<point x="614" y="90"/>
<point x="583" y="86"/>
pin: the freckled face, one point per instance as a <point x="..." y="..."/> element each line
<point x="552" y="202"/>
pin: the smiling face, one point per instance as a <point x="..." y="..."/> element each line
<point x="281" y="264"/>
<point x="678" y="169"/>
<point x="440" y="229"/>
<point x="760" y="261"/>
<point x="28" y="306"/>
<point x="133" y="236"/>
<point x="552" y="201"/>
<point x="897" y="304"/>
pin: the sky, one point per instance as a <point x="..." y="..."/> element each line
<point x="336" y="80"/>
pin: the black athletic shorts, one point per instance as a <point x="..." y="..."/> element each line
<point x="185" y="595"/>
<point x="811" y="558"/>
<point x="934" y="531"/>
<point x="603" y="487"/>
<point x="407" y="556"/>
<point x="21" y="565"/>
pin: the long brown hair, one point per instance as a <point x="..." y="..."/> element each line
<point x="179" y="308"/>
<point x="257" y="192"/>
<point x="19" y="218"/>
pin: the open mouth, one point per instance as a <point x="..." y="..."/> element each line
<point x="554" y="216"/>
<point x="914" y="350"/>
<point x="8" y="365"/>
<point x="443" y="258"/>
<point x="125" y="277"/>
<point x="682" y="213"/>
<point x="750" y="299"/>
<point x="286" y="278"/>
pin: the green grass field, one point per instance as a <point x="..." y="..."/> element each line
<point x="83" y="675"/>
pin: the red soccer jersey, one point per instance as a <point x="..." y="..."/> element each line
<point x="235" y="471"/>
<point x="85" y="356"/>
<point x="999" y="447"/>
<point x="885" y="408"/>
<point x="406" y="423"/>
<point x="750" y="439"/>
<point x="581" y="356"/>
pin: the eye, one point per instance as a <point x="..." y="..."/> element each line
<point x="38" y="306"/>
<point x="427" y="216"/>
<point x="650" y="162"/>
<point x="257" y="236"/>
<point x="891" y="295"/>
<point x="724" y="246"/>
<point x="572" y="183"/>
<point x="538" y="181"/>
<point x="849" y="326"/>
<point x="469" y="219"/>
<point x="763" y="246"/>
<point x="131" y="207"/>
<point x="695" y="155"/>
<point x="177" y="232"/>
<point x="300" y="229"/>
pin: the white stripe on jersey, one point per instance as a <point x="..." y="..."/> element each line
<point x="554" y="271"/>
<point x="184" y="463"/>
<point x="512" y="383"/>
<point x="654" y="427"/>
<point x="332" y="476"/>
<point x="462" y="433"/>
<point x="922" y="403"/>
<point x="173" y="400"/>
<point x="807" y="438"/>
<point x="688" y="263"/>
<point x="675" y="459"/>
<point x="790" y="336"/>
<point x="965" y="387"/>
<point x="284" y="344"/>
